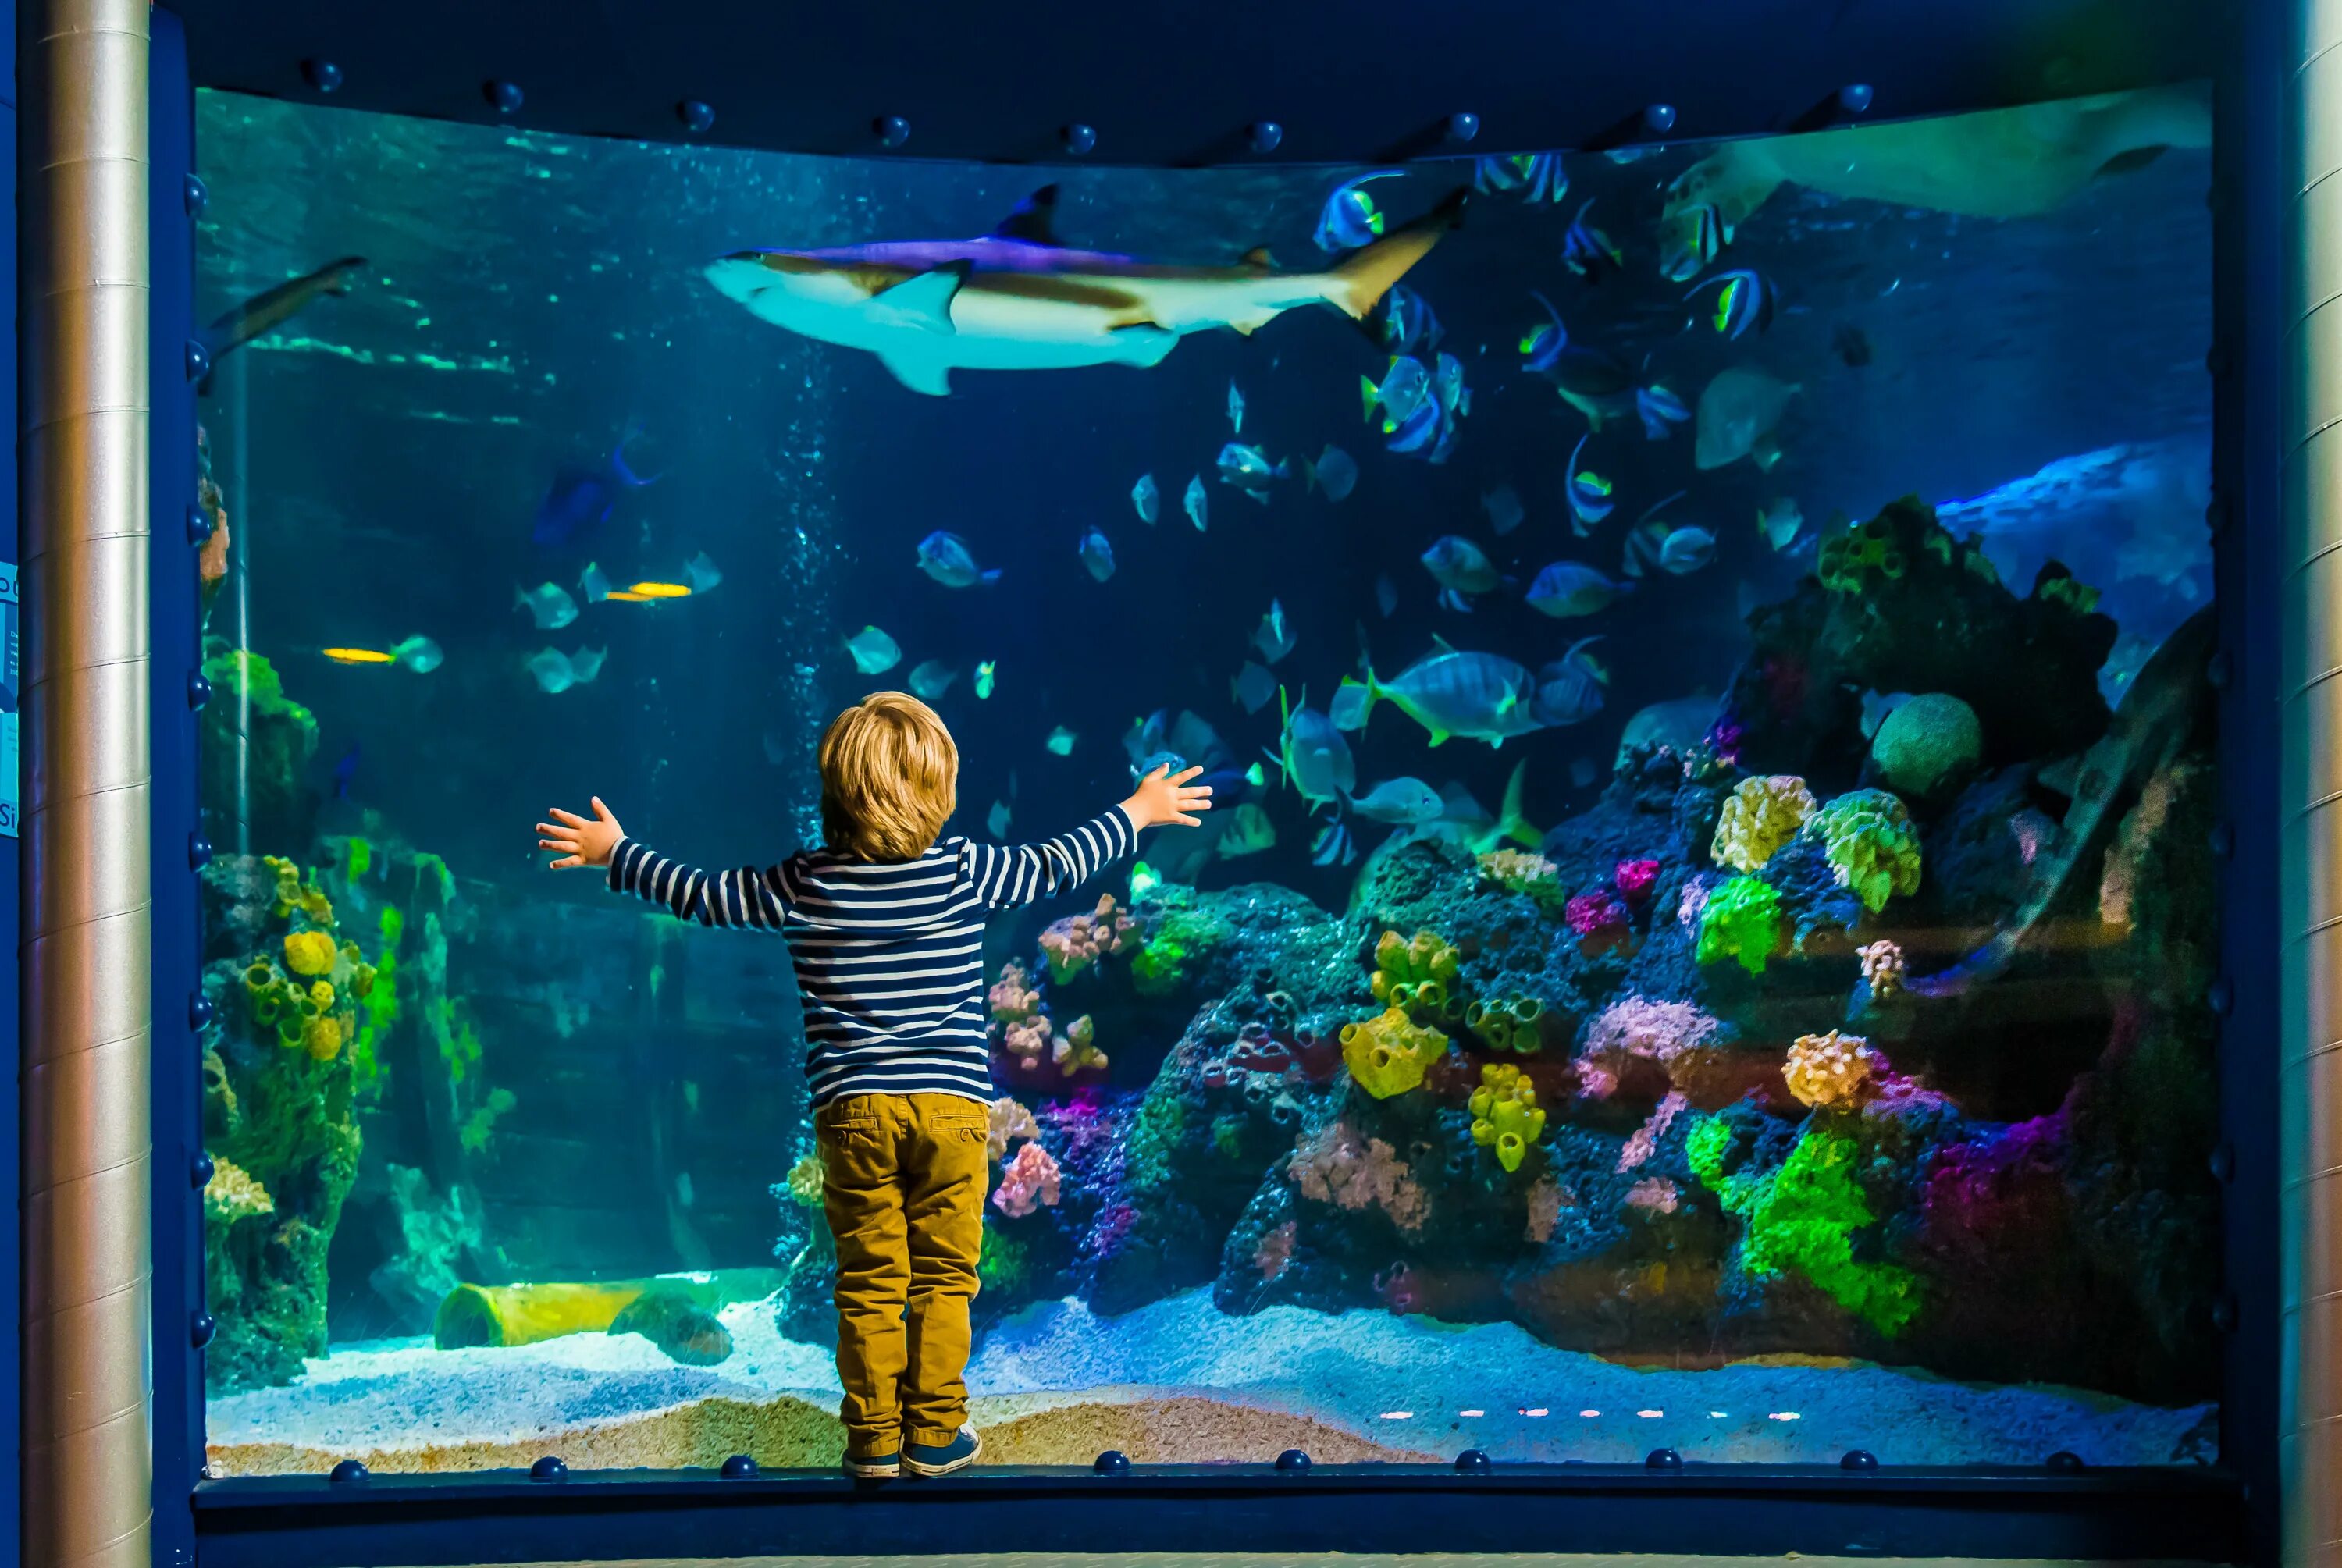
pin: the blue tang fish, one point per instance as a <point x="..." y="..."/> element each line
<point x="1350" y="218"/>
<point x="580" y="499"/>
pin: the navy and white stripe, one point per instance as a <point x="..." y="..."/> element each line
<point x="889" y="958"/>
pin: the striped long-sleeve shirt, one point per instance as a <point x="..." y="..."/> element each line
<point x="889" y="958"/>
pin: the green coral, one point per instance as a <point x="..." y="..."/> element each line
<point x="1515" y="1023"/>
<point x="1803" y="1216"/>
<point x="1847" y="560"/>
<point x="1504" y="1113"/>
<point x="480" y="1123"/>
<point x="1871" y="846"/>
<point x="1005" y="1262"/>
<point x="2057" y="585"/>
<point x="1927" y="742"/>
<point x="1420" y="978"/>
<point x="1742" y="920"/>
<point x="1759" y="816"/>
<point x="357" y="857"/>
<point x="1181" y="930"/>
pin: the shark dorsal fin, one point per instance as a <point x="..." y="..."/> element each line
<point x="1258" y="256"/>
<point x="1035" y="221"/>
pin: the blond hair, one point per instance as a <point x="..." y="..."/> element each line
<point x="890" y="778"/>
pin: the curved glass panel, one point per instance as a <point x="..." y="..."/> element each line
<point x="1702" y="936"/>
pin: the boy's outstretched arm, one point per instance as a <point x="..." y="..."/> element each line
<point x="1008" y="877"/>
<point x="746" y="897"/>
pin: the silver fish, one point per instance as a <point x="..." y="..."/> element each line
<point x="1502" y="506"/>
<point x="1199" y="506"/>
<point x="1403" y="802"/>
<point x="875" y="652"/>
<point x="702" y="573"/>
<point x="945" y="557"/>
<point x="1460" y="565"/>
<point x="594" y="583"/>
<point x="1147" y="497"/>
<point x="933" y="678"/>
<point x="1252" y="687"/>
<point x="1236" y="409"/>
<point x="548" y="603"/>
<point x="1097" y="556"/>
<point x="1336" y="473"/>
<point x="1737" y="413"/>
<point x="1274" y="638"/>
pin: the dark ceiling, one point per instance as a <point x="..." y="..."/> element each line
<point x="1180" y="83"/>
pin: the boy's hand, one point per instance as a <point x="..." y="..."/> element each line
<point x="1163" y="797"/>
<point x="578" y="841"/>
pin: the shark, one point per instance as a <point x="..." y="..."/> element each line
<point x="1016" y="299"/>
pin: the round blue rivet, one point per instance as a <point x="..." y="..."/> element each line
<point x="2223" y="1162"/>
<point x="1078" y="139"/>
<point x="1473" y="1462"/>
<point x="2220" y="996"/>
<point x="201" y="1169"/>
<point x="1659" y="118"/>
<point x="194" y="194"/>
<point x="504" y="97"/>
<point x="199" y="360"/>
<point x="1663" y="1459"/>
<point x="1112" y="1462"/>
<point x="1859" y="1459"/>
<point x="349" y="1472"/>
<point x="199" y="524"/>
<point x="549" y="1468"/>
<point x="1263" y="135"/>
<point x="322" y="74"/>
<point x="200" y="1329"/>
<point x="1463" y="127"/>
<point x="199" y="852"/>
<point x="1293" y="1461"/>
<point x="739" y="1467"/>
<point x="892" y="130"/>
<point x="199" y="690"/>
<point x="200" y="1011"/>
<point x="696" y="117"/>
<point x="1854" y="97"/>
<point x="2064" y="1459"/>
<point x="2219" y="670"/>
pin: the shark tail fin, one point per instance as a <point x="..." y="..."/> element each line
<point x="1357" y="284"/>
<point x="1510" y="823"/>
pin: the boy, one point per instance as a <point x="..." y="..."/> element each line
<point x="886" y="930"/>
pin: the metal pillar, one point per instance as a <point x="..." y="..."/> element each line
<point x="87" y="1003"/>
<point x="2309" y="1086"/>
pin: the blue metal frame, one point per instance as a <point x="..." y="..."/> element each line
<point x="406" y="61"/>
<point x="11" y="858"/>
<point x="1721" y="1509"/>
<point x="177" y="658"/>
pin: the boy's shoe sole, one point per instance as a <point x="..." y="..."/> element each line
<point x="886" y="1469"/>
<point x="922" y="1467"/>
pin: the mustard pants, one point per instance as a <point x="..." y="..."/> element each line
<point x="903" y="1183"/>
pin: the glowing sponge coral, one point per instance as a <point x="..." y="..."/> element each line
<point x="1742" y="920"/>
<point x="1419" y="978"/>
<point x="1828" y="1070"/>
<point x="1388" y="1055"/>
<point x="1759" y="816"/>
<point x="1927" y="742"/>
<point x="1871" y="846"/>
<point x="1504" y="1113"/>
<point x="309" y="953"/>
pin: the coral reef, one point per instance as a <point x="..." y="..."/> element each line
<point x="1009" y="1122"/>
<point x="1337" y="1167"/>
<point x="1028" y="1181"/>
<point x="1505" y="1116"/>
<point x="1419" y="978"/>
<point x="1076" y="1050"/>
<point x="1928" y="744"/>
<point x="1072" y="945"/>
<point x="1523" y="872"/>
<point x="1740" y="919"/>
<point x="1882" y="968"/>
<point x="1513" y="1022"/>
<point x="1871" y="846"/>
<point x="1759" y="816"/>
<point x="1828" y="1071"/>
<point x="1388" y="1054"/>
<point x="255" y="747"/>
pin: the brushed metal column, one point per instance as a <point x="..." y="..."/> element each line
<point x="2310" y="1085"/>
<point x="88" y="1003"/>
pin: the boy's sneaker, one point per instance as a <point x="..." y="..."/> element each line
<point x="942" y="1458"/>
<point x="877" y="1467"/>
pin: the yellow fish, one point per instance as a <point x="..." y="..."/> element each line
<point x="627" y="596"/>
<point x="659" y="591"/>
<point x="357" y="656"/>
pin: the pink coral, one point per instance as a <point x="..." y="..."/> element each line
<point x="1654" y="1195"/>
<point x="1636" y="1027"/>
<point x="1027" y="1040"/>
<point x="1591" y="915"/>
<point x="1646" y="1138"/>
<point x="1275" y="1254"/>
<point x="1547" y="1200"/>
<point x="1027" y="1182"/>
<point x="1335" y="1168"/>
<point x="1691" y="905"/>
<point x="1074" y="943"/>
<point x="1634" y="879"/>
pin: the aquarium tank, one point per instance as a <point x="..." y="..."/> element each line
<point x="1704" y="936"/>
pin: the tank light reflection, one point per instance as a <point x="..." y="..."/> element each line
<point x="1540" y="1410"/>
<point x="1398" y="1415"/>
<point x="1650" y="1414"/>
<point x="1589" y="1414"/>
<point x="1782" y="1415"/>
<point x="1471" y="1412"/>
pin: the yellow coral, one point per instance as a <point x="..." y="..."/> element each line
<point x="1388" y="1055"/>
<point x="322" y="1038"/>
<point x="1759" y="816"/>
<point x="1420" y="978"/>
<point x="322" y="993"/>
<point x="309" y="953"/>
<point x="233" y="1193"/>
<point x="1519" y="870"/>
<point x="1076" y="1048"/>
<point x="1504" y="1113"/>
<point x="1828" y="1070"/>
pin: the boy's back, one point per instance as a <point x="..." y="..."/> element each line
<point x="889" y="958"/>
